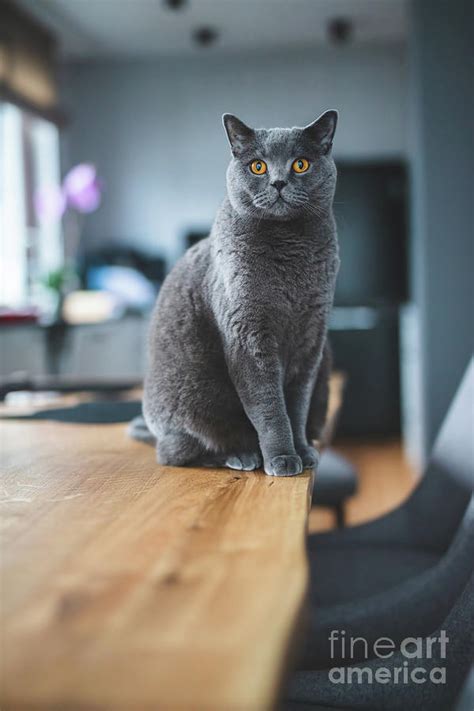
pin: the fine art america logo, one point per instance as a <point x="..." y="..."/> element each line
<point x="414" y="651"/>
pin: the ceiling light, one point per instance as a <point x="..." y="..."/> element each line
<point x="175" y="4"/>
<point x="205" y="36"/>
<point x="340" y="30"/>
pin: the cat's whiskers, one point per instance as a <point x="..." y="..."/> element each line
<point x="264" y="212"/>
<point x="314" y="211"/>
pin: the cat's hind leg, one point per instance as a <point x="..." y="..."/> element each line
<point x="174" y="448"/>
<point x="178" y="449"/>
<point x="137" y="429"/>
<point x="182" y="449"/>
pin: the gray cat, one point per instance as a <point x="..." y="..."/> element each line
<point x="238" y="355"/>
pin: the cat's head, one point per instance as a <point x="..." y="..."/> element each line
<point x="281" y="173"/>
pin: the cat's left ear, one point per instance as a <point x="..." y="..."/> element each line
<point x="238" y="133"/>
<point x="323" y="129"/>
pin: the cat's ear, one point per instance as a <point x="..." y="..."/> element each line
<point x="323" y="129"/>
<point x="238" y="133"/>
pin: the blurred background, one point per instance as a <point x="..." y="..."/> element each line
<point x="113" y="159"/>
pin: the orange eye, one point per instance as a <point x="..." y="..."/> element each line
<point x="259" y="167"/>
<point x="300" y="165"/>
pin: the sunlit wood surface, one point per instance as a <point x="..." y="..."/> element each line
<point x="126" y="585"/>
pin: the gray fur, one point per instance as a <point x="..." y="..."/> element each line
<point x="238" y="358"/>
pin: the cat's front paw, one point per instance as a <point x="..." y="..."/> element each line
<point x="244" y="462"/>
<point x="284" y="465"/>
<point x="309" y="456"/>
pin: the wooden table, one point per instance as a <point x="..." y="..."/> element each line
<point x="126" y="585"/>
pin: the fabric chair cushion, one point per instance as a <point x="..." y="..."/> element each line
<point x="348" y="573"/>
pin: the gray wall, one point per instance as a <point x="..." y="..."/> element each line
<point x="443" y="179"/>
<point x="153" y="127"/>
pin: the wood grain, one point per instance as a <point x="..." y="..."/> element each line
<point x="129" y="585"/>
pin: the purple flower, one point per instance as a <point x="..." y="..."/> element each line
<point x="82" y="188"/>
<point x="50" y="203"/>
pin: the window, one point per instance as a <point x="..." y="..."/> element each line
<point x="29" y="158"/>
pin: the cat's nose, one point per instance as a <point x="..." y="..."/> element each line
<point x="279" y="185"/>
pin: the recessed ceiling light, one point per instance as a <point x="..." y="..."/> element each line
<point x="205" y="36"/>
<point x="175" y="4"/>
<point x="340" y="30"/>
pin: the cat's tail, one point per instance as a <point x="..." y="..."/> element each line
<point x="138" y="430"/>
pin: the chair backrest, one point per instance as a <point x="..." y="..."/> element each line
<point x="433" y="513"/>
<point x="453" y="452"/>
<point x="437" y="506"/>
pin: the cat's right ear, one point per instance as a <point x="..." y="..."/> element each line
<point x="238" y="133"/>
<point x="323" y="129"/>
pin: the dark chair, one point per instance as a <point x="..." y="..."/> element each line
<point x="336" y="481"/>
<point x="406" y="574"/>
